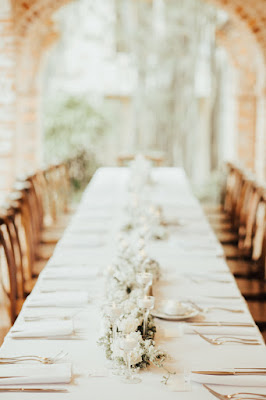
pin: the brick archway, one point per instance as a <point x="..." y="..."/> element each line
<point x="26" y="31"/>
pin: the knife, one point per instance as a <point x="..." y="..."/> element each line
<point x="251" y="371"/>
<point x="240" y="324"/>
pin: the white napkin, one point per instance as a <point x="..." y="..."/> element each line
<point x="62" y="299"/>
<point x="35" y="374"/>
<point x="69" y="273"/>
<point x="41" y="328"/>
<point x="85" y="230"/>
<point x="54" y="263"/>
<point x="223" y="330"/>
<point x="231" y="380"/>
<point x="93" y="216"/>
<point x="80" y="241"/>
<point x="93" y="225"/>
<point x="48" y="286"/>
<point x="202" y="301"/>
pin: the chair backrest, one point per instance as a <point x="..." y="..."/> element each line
<point x="27" y="228"/>
<point x="233" y="190"/>
<point x="259" y="230"/>
<point x="124" y="159"/>
<point x="255" y="200"/>
<point x="8" y="267"/>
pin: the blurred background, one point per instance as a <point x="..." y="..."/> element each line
<point x="182" y="81"/>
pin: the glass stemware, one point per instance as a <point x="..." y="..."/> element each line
<point x="147" y="304"/>
<point x="127" y="344"/>
<point x="114" y="311"/>
<point x="144" y="279"/>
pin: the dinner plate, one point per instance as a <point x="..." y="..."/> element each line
<point x="191" y="313"/>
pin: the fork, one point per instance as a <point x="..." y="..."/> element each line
<point x="32" y="390"/>
<point x="206" y="309"/>
<point x="227" y="339"/>
<point x="50" y="316"/>
<point x="43" y="360"/>
<point x="255" y="396"/>
<point x="36" y="318"/>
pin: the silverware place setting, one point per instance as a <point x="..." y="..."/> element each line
<point x="237" y="395"/>
<point x="25" y="358"/>
<point x="220" y="340"/>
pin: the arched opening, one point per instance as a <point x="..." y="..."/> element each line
<point x="181" y="81"/>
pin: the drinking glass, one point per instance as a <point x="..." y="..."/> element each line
<point x="147" y="304"/>
<point x="144" y="279"/>
<point x="127" y="344"/>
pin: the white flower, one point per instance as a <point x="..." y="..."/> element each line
<point x="128" y="325"/>
<point x="105" y="326"/>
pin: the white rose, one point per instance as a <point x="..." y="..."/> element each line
<point x="128" y="325"/>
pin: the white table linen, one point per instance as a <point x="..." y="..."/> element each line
<point x="103" y="207"/>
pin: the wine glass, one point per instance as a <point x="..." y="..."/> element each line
<point x="114" y="311"/>
<point x="144" y="279"/>
<point x="127" y="344"/>
<point x="147" y="304"/>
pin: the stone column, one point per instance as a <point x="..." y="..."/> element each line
<point x="247" y="111"/>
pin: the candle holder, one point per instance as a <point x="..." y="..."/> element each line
<point x="114" y="311"/>
<point x="127" y="344"/>
<point x="146" y="304"/>
<point x="144" y="279"/>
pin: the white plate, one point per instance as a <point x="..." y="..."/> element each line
<point x="191" y="313"/>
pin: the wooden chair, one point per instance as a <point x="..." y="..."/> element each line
<point x="10" y="271"/>
<point x="124" y="159"/>
<point x="246" y="225"/>
<point x="223" y="221"/>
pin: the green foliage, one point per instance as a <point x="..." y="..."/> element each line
<point x="71" y="123"/>
<point x="73" y="128"/>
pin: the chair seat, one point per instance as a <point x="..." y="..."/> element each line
<point x="258" y="311"/>
<point x="51" y="236"/>
<point x="227" y="237"/>
<point x="221" y="226"/>
<point x="219" y="218"/>
<point x="19" y="304"/>
<point x="38" y="267"/>
<point x="213" y="209"/>
<point x="232" y="252"/>
<point x="45" y="251"/>
<point x="29" y="285"/>
<point x="240" y="267"/>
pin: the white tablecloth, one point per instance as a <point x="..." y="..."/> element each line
<point x="98" y="219"/>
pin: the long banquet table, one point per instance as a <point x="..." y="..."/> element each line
<point x="188" y="258"/>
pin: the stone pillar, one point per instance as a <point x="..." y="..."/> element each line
<point x="7" y="96"/>
<point x="246" y="127"/>
<point x="28" y="152"/>
<point x="260" y="145"/>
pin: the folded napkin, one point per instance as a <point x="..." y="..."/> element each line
<point x="62" y="299"/>
<point x="89" y="265"/>
<point x="41" y="329"/>
<point x="94" y="225"/>
<point x="80" y="241"/>
<point x="200" y="251"/>
<point x="93" y="216"/>
<point x="70" y="273"/>
<point x="223" y="330"/>
<point x="18" y="374"/>
<point x="231" y="380"/>
<point x="48" y="286"/>
<point x="73" y="231"/>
